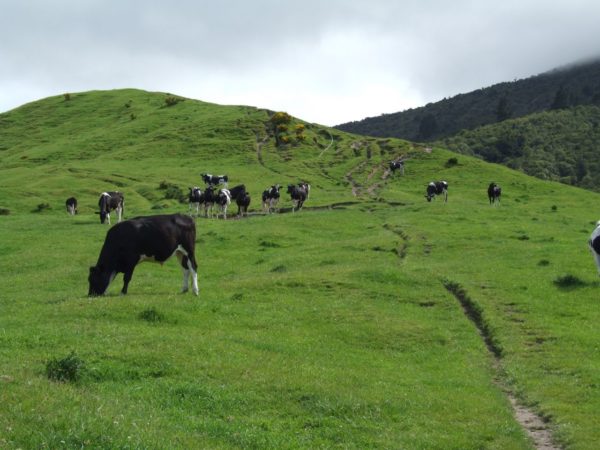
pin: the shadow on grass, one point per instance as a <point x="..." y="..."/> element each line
<point x="570" y="282"/>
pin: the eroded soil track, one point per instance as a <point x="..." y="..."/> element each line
<point x="535" y="427"/>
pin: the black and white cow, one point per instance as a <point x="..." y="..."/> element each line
<point x="152" y="238"/>
<point x="108" y="201"/>
<point x="214" y="180"/>
<point x="241" y="197"/>
<point x="594" y="244"/>
<point x="306" y="187"/>
<point x="195" y="197"/>
<point x="299" y="194"/>
<point x="223" y="200"/>
<point x="494" y="192"/>
<point x="71" y="205"/>
<point x="210" y="197"/>
<point x="437" y="188"/>
<point x="397" y="164"/>
<point x="270" y="197"/>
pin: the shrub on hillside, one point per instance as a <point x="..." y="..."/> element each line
<point x="172" y="191"/>
<point x="569" y="282"/>
<point x="172" y="100"/>
<point x="4" y="211"/>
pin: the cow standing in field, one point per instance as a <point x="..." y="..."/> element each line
<point x="108" y="201"/>
<point x="594" y="245"/>
<point x="437" y="188"/>
<point x="195" y="197"/>
<point x="153" y="238"/>
<point x="241" y="197"/>
<point x="223" y="200"/>
<point x="71" y="205"/>
<point x="397" y="164"/>
<point x="494" y="191"/>
<point x="298" y="194"/>
<point x="270" y="197"/>
<point x="214" y="180"/>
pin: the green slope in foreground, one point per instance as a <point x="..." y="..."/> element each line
<point x="330" y="327"/>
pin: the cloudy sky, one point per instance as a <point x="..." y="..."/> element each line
<point x="325" y="61"/>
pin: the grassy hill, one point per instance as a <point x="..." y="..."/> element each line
<point x="570" y="86"/>
<point x="342" y="325"/>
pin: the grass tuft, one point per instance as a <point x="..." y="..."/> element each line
<point x="151" y="315"/>
<point x="67" y="369"/>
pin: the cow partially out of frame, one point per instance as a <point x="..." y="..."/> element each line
<point x="151" y="238"/>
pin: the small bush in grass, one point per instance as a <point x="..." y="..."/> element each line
<point x="569" y="282"/>
<point x="4" y="211"/>
<point x="67" y="369"/>
<point x="67" y="97"/>
<point x="151" y="315"/>
<point x="544" y="262"/>
<point x="172" y="100"/>
<point x="554" y="208"/>
<point x="172" y="191"/>
<point x="452" y="162"/>
<point x="41" y="207"/>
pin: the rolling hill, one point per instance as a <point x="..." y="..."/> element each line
<point x="369" y="319"/>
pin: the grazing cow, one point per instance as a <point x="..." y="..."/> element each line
<point x="195" y="197"/>
<point x="223" y="200"/>
<point x="71" y="204"/>
<point x="111" y="200"/>
<point x="299" y="194"/>
<point x="397" y="164"/>
<point x="241" y="197"/>
<point x="594" y="244"/>
<point x="437" y="188"/>
<point x="214" y="180"/>
<point x="270" y="197"/>
<point x="494" y="192"/>
<point x="152" y="238"/>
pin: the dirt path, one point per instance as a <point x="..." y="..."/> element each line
<point x="535" y="427"/>
<point x="260" y="143"/>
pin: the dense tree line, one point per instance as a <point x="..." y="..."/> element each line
<point x="554" y="90"/>
<point x="559" y="144"/>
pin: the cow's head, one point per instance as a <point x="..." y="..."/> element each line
<point x="99" y="279"/>
<point x="291" y="188"/>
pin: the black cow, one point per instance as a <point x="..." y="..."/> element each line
<point x="270" y="197"/>
<point x="397" y="164"/>
<point x="594" y="244"/>
<point x="437" y="188"/>
<point x="210" y="197"/>
<point x="71" y="205"/>
<point x="152" y="238"/>
<point x="241" y="197"/>
<point x="195" y="197"/>
<point x="223" y="200"/>
<point x="494" y="191"/>
<point x="299" y="194"/>
<point x="214" y="180"/>
<point x="111" y="200"/>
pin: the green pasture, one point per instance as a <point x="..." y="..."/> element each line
<point x="327" y="328"/>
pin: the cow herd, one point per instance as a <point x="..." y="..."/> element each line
<point x="157" y="238"/>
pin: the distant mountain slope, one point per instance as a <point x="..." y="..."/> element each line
<point x="561" y="145"/>
<point x="557" y="89"/>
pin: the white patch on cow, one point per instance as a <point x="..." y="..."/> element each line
<point x="594" y="235"/>
<point x="108" y="217"/>
<point x="186" y="275"/>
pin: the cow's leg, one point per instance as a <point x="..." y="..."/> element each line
<point x="126" y="279"/>
<point x="120" y="213"/>
<point x="108" y="217"/>
<point x="596" y="259"/>
<point x="190" y="268"/>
